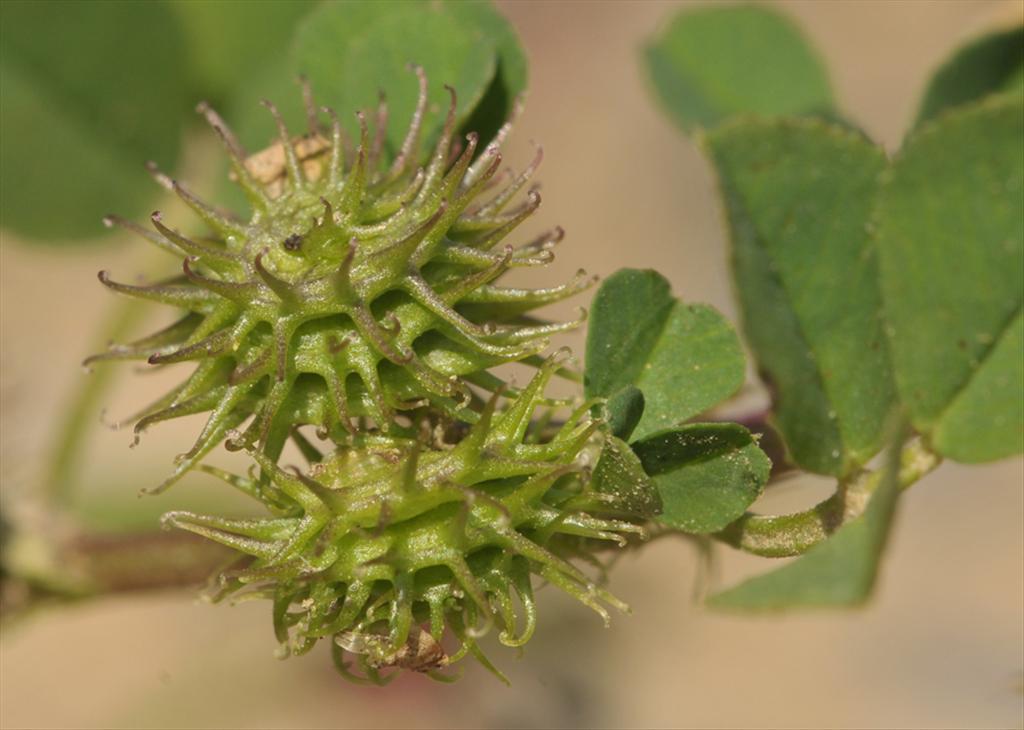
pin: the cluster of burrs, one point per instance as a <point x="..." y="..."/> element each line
<point x="356" y="292"/>
<point x="359" y="300"/>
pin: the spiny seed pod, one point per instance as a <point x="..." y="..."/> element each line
<point x="356" y="291"/>
<point x="389" y="536"/>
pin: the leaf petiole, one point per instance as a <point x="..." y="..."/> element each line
<point x="780" y="536"/>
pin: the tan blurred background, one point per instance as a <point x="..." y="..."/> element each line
<point x="942" y="646"/>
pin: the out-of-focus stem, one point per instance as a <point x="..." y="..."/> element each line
<point x="84" y="407"/>
<point x="94" y="565"/>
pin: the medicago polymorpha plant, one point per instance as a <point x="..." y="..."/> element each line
<point x="359" y="301"/>
<point x="357" y="318"/>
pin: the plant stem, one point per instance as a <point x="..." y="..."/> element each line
<point x="147" y="561"/>
<point x="93" y="565"/>
<point x="83" y="410"/>
<point x="780" y="536"/>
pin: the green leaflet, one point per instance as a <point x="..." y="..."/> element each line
<point x="841" y="571"/>
<point x="510" y="73"/>
<point x="706" y="473"/>
<point x="228" y="42"/>
<point x="352" y="51"/>
<point x="684" y="358"/>
<point x="619" y="473"/>
<point x="798" y="195"/>
<point x="714" y="62"/>
<point x="992" y="63"/>
<point x="76" y="123"/>
<point x="950" y="229"/>
<point x="625" y="408"/>
<point x="985" y="420"/>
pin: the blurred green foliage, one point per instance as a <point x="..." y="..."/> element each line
<point x="231" y="42"/>
<point x="92" y="90"/>
<point x="714" y="62"/>
<point x="992" y="63"/>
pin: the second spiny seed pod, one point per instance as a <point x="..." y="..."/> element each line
<point x="392" y="549"/>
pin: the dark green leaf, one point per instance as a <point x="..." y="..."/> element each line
<point x="840" y="571"/>
<point x="951" y="238"/>
<point x="798" y="195"/>
<point x="625" y="407"/>
<point x="990" y="64"/>
<point x="706" y="473"/>
<point x="627" y="317"/>
<point x="685" y="358"/>
<point x="254" y="125"/>
<point x="618" y="473"/>
<point x="229" y="42"/>
<point x="353" y="51"/>
<point x="91" y="90"/>
<point x="714" y="62"/>
<point x="510" y="76"/>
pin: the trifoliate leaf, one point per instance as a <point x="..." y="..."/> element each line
<point x="684" y="358"/>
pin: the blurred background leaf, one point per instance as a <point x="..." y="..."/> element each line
<point x="950" y="230"/>
<point x="228" y="42"/>
<point x="510" y="73"/>
<point x="798" y="195"/>
<point x="715" y="62"/>
<point x="992" y="63"/>
<point x="94" y="89"/>
<point x="91" y="90"/>
<point x="353" y="51"/>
